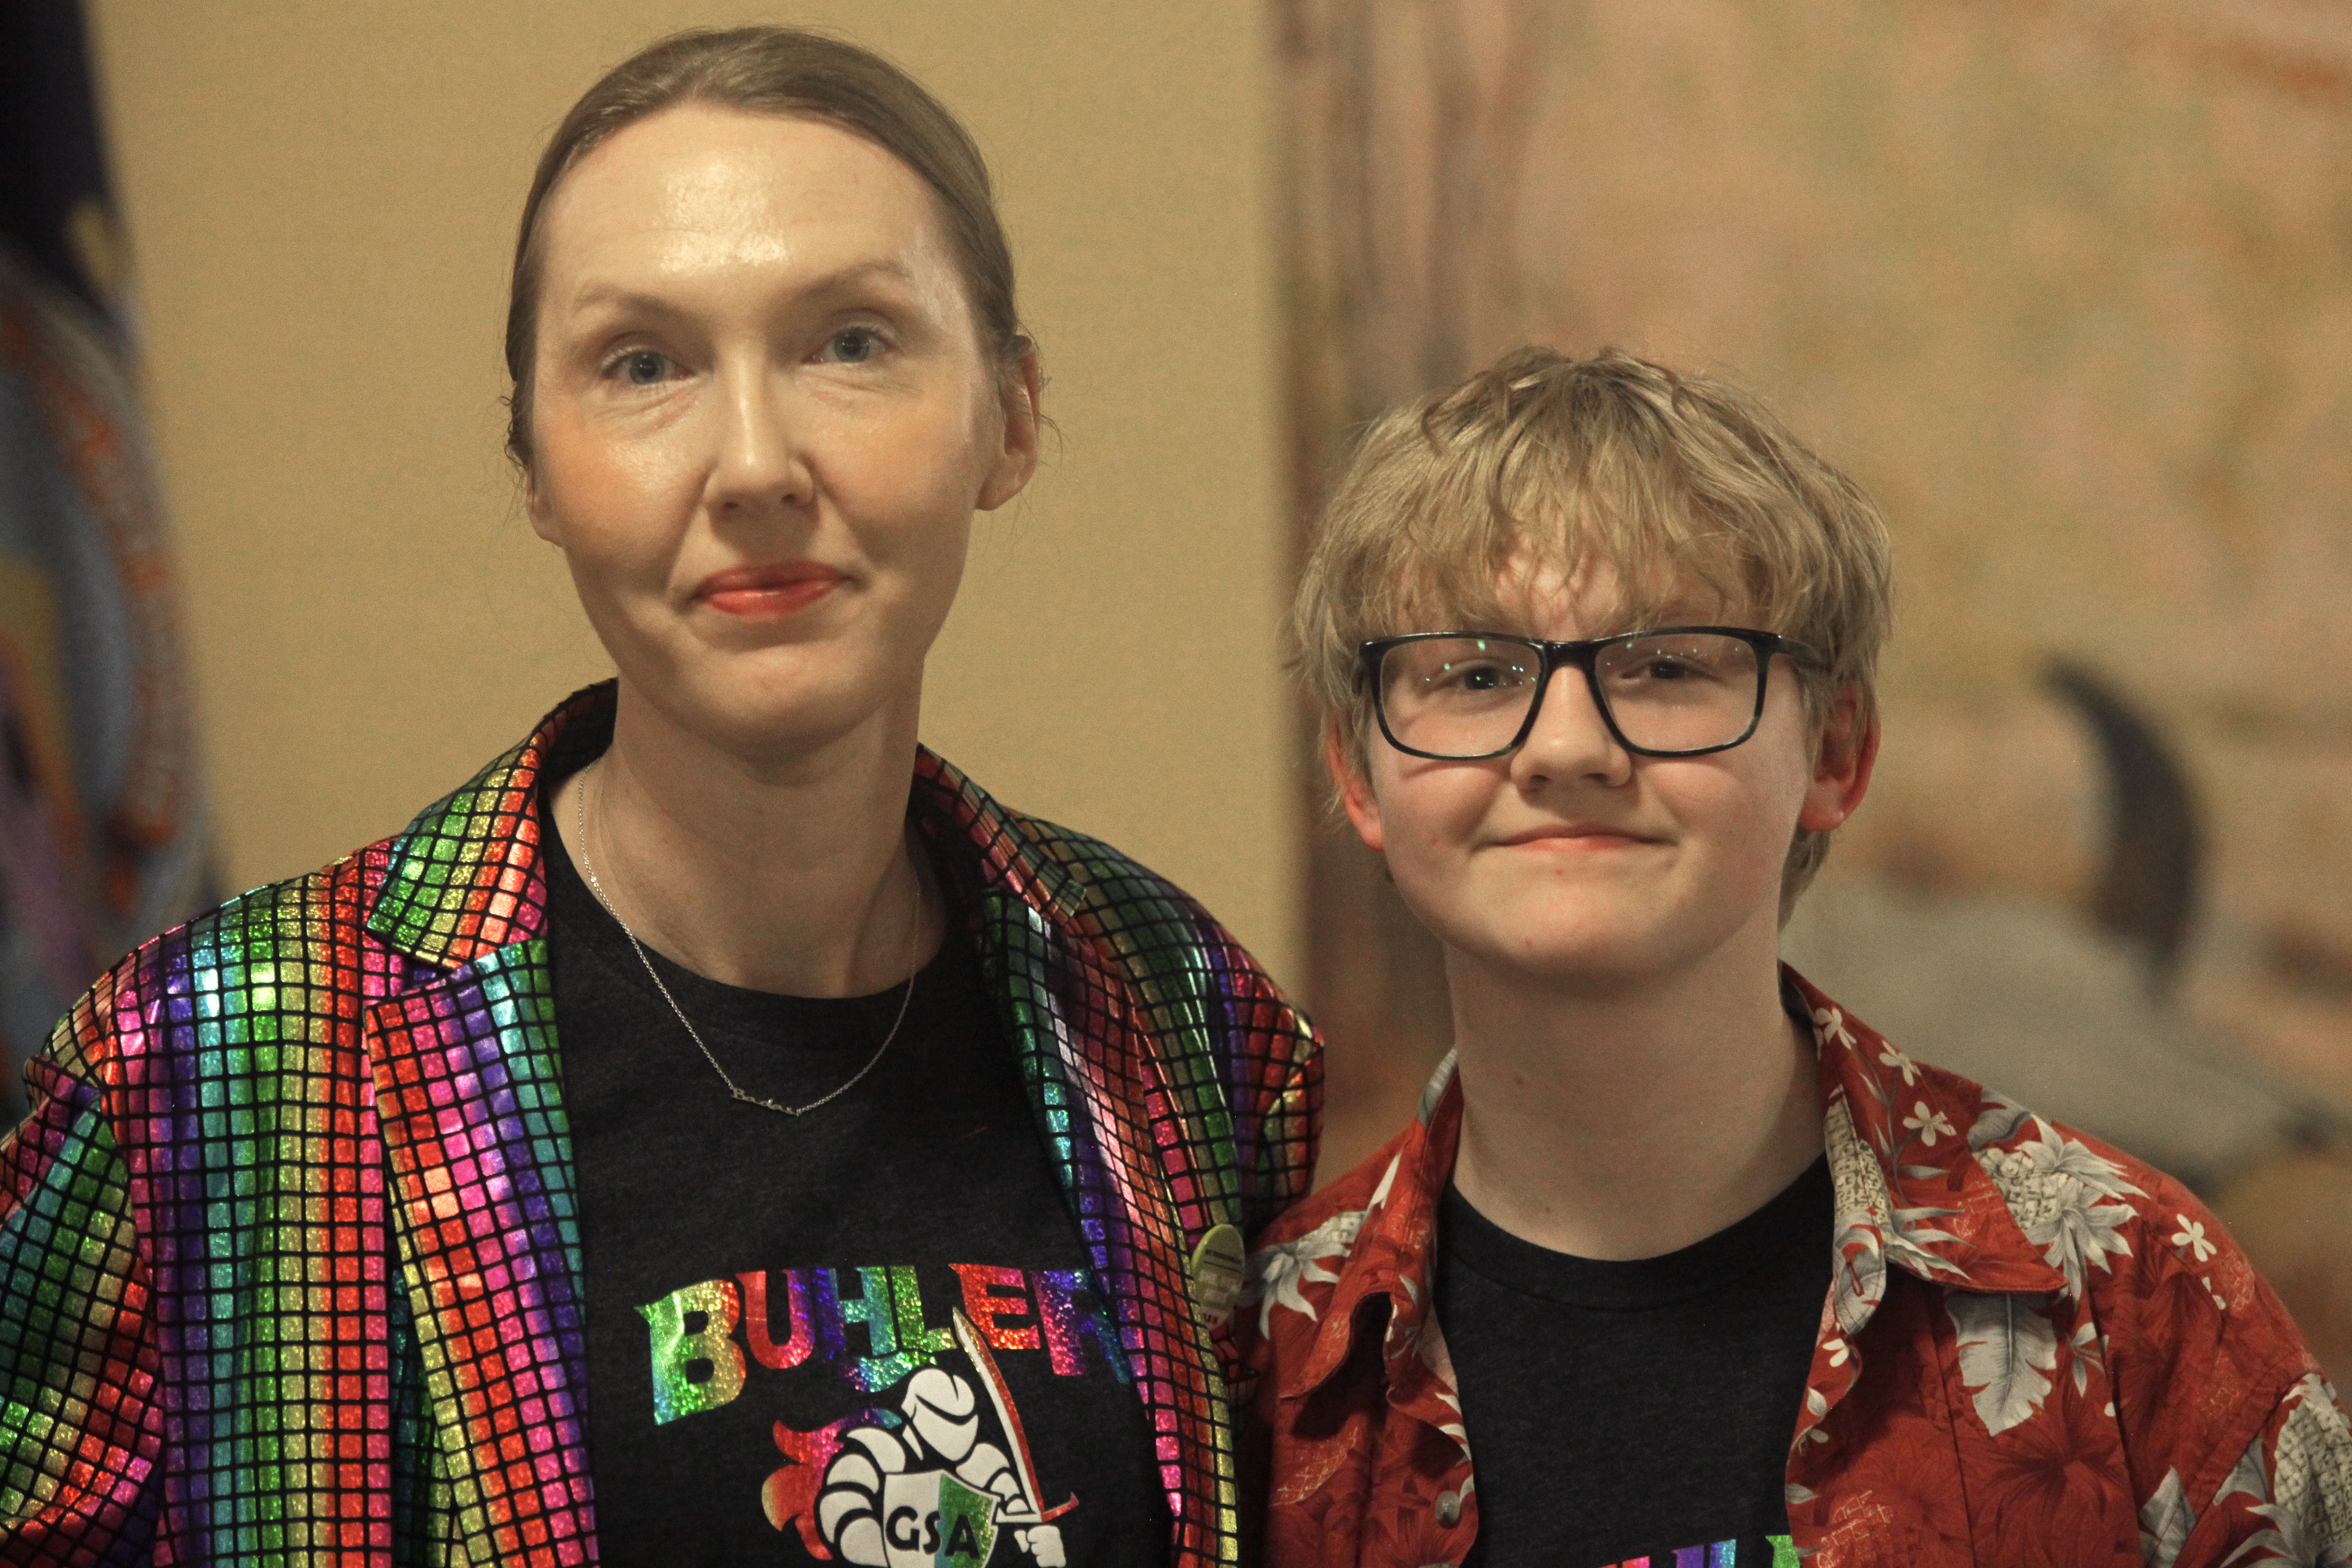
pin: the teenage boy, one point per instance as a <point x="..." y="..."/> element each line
<point x="1681" y="1261"/>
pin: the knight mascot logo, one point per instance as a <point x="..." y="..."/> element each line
<point x="936" y="1492"/>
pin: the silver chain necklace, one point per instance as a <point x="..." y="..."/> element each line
<point x="914" y="948"/>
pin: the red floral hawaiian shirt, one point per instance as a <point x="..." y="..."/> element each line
<point x="2035" y="1350"/>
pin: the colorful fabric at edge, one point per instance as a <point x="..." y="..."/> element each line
<point x="289" y="1256"/>
<point x="1716" y="1554"/>
<point x="101" y="823"/>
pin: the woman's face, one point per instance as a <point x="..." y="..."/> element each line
<point x="762" y="421"/>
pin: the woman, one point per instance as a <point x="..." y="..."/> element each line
<point x="717" y="1129"/>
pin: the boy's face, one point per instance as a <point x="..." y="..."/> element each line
<point x="1573" y="862"/>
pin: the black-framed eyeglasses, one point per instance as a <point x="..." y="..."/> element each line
<point x="1671" y="691"/>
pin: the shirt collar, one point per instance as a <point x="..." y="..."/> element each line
<point x="1389" y="1242"/>
<point x="1901" y="1139"/>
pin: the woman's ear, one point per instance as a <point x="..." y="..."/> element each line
<point x="1843" y="759"/>
<point x="1021" y="385"/>
<point x="543" y="521"/>
<point x="1356" y="796"/>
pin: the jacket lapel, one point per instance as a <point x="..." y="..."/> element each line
<point x="1134" y="1133"/>
<point x="1094" y="1089"/>
<point x="485" y="1214"/>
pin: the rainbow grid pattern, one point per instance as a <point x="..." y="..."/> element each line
<point x="289" y="1265"/>
<point x="1718" y="1554"/>
<point x="1147" y="1157"/>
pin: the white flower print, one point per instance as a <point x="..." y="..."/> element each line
<point x="2067" y="1201"/>
<point x="1892" y="1057"/>
<point x="1838" y="1349"/>
<point x="2090" y="1348"/>
<point x="1829" y="1028"/>
<point x="1929" y="1124"/>
<point x="1998" y="1118"/>
<point x="2191" y="1235"/>
<point x="1910" y="1236"/>
<point x="2164" y="1522"/>
<point x="2311" y="1469"/>
<point x="1871" y="1229"/>
<point x="2008" y="1350"/>
<point x="1854" y="1172"/>
<point x="1276" y="1272"/>
<point x="2306" y="1490"/>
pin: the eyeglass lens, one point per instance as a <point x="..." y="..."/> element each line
<point x="1467" y="696"/>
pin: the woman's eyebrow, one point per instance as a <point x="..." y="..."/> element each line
<point x="618" y="301"/>
<point x="623" y="300"/>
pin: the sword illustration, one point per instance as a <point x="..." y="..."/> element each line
<point x="976" y="1350"/>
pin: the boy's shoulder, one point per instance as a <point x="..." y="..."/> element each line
<point x="2174" y="1299"/>
<point x="2228" y="1428"/>
<point x="2059" y="1259"/>
<point x="1368" y="1230"/>
<point x="1975" y="1191"/>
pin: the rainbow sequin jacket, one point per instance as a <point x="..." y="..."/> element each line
<point x="290" y="1257"/>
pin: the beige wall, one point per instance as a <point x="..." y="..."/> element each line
<point x="321" y="196"/>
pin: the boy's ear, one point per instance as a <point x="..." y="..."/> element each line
<point x="1843" y="759"/>
<point x="1355" y="796"/>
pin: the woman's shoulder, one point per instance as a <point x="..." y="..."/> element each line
<point x="1153" y="924"/>
<point x="1108" y="873"/>
<point x="278" y="960"/>
<point x="1194" y="985"/>
<point x="1074" y="873"/>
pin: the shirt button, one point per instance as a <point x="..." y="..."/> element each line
<point x="1449" y="1509"/>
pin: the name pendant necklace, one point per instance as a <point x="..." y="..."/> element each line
<point x="914" y="948"/>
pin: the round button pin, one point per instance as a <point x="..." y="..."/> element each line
<point x="1216" y="1274"/>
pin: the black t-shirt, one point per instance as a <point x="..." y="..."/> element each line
<point x="775" y="1363"/>
<point x="1618" y="1410"/>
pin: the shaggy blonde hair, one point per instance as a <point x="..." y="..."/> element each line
<point x="1545" y="462"/>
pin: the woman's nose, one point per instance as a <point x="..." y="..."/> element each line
<point x="1571" y="739"/>
<point x="761" y="463"/>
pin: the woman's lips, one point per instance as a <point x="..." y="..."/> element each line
<point x="769" y="592"/>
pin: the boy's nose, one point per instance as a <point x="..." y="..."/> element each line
<point x="1571" y="739"/>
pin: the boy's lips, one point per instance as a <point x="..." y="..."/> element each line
<point x="1569" y="837"/>
<point x="768" y="591"/>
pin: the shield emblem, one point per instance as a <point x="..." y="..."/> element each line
<point x="967" y="1525"/>
<point x="930" y="1519"/>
